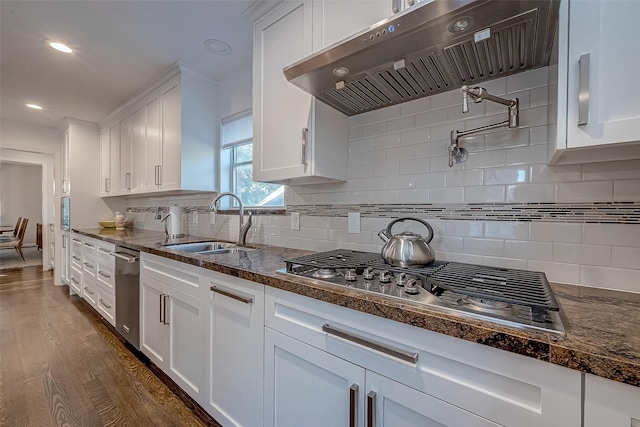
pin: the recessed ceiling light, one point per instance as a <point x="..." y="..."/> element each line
<point x="217" y="47"/>
<point x="34" y="106"/>
<point x="61" y="47"/>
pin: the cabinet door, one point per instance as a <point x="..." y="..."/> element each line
<point x="125" y="155"/>
<point x="114" y="159"/>
<point x="236" y="337"/>
<point x="138" y="150"/>
<point x="65" y="261"/>
<point x="609" y="403"/>
<point x="171" y="135"/>
<point x="614" y="110"/>
<point x="392" y="404"/>
<point x="152" y="142"/>
<point x="186" y="318"/>
<point x="152" y="327"/>
<point x="305" y="386"/>
<point x="64" y="165"/>
<point x="341" y="19"/>
<point x="281" y="110"/>
<point x="105" y="162"/>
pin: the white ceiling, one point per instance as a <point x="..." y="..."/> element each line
<point x="120" y="47"/>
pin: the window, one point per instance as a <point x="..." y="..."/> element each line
<point x="236" y="165"/>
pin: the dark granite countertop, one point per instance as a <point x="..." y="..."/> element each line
<point x="601" y="326"/>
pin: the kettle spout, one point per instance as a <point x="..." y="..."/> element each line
<point x="383" y="235"/>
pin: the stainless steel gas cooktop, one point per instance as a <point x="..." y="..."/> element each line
<point x="512" y="297"/>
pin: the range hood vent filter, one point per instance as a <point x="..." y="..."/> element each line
<point x="520" y="38"/>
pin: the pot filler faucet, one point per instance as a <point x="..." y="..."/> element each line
<point x="244" y="228"/>
<point x="478" y="94"/>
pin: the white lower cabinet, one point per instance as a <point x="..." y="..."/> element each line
<point x="305" y="386"/>
<point x="457" y="380"/>
<point x="609" y="403"/>
<point x="173" y="323"/>
<point x="65" y="268"/>
<point x="393" y="404"/>
<point x="235" y="350"/>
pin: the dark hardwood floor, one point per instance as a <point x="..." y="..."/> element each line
<point x="60" y="366"/>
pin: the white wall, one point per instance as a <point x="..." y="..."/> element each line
<point x="235" y="92"/>
<point x="21" y="196"/>
<point x="25" y="137"/>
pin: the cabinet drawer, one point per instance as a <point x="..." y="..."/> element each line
<point x="76" y="258"/>
<point x="491" y="383"/>
<point x="105" y="273"/>
<point x="89" y="290"/>
<point x="89" y="265"/>
<point x="103" y="251"/>
<point x="106" y="304"/>
<point x="75" y="281"/>
<point x="178" y="275"/>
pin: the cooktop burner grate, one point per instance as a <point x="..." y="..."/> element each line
<point x="337" y="259"/>
<point x="521" y="287"/>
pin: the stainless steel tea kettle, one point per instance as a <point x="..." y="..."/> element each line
<point x="407" y="249"/>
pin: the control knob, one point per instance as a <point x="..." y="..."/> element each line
<point x="350" y="275"/>
<point x="385" y="276"/>
<point x="411" y="287"/>
<point x="367" y="274"/>
<point x="401" y="279"/>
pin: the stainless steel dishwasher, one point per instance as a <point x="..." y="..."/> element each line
<point x="128" y="294"/>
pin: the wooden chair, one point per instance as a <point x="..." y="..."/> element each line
<point x="17" y="241"/>
<point x="15" y="230"/>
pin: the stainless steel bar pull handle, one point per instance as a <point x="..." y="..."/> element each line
<point x="77" y="258"/>
<point x="305" y="134"/>
<point x="89" y="291"/>
<point x="228" y="294"/>
<point x="371" y="409"/>
<point x="75" y="281"/>
<point x="127" y="180"/>
<point x="104" y="303"/>
<point x="583" y="90"/>
<point x="103" y="274"/>
<point x="88" y="265"/>
<point x="405" y="356"/>
<point x="353" y="405"/>
<point x="158" y="175"/>
<point x="161" y="308"/>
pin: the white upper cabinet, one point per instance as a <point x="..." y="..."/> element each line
<point x="297" y="139"/>
<point x="595" y="56"/>
<point x="167" y="141"/>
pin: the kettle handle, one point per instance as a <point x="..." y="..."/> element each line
<point x="421" y="221"/>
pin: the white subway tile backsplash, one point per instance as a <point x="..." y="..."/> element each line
<point x="485" y="159"/>
<point x="612" y="234"/>
<point x="414" y="166"/>
<point x="484" y="247"/>
<point x="520" y="264"/>
<point x="484" y="194"/>
<point x="374" y="129"/>
<point x="527" y="80"/>
<point x="538" y="96"/>
<point x="625" y="257"/>
<point x="373" y="157"/>
<point x="386" y="196"/>
<point x="461" y="178"/>
<point x="538" y="135"/>
<point x="448" y="243"/>
<point x="446" y="195"/>
<point x="557" y="272"/>
<point x="528" y="193"/>
<point x="400" y="124"/>
<point x="375" y="183"/>
<point x="582" y="254"/>
<point x="361" y="171"/>
<point x="413" y="195"/>
<point x="384" y="114"/>
<point x="461" y="257"/>
<point x="564" y="173"/>
<point x="446" y="99"/>
<point x="416" y="106"/>
<point x="509" y="138"/>
<point x="431" y="118"/>
<point x="626" y="169"/>
<point x="539" y="251"/>
<point x="526" y="155"/>
<point x="610" y="278"/>
<point x="387" y="169"/>
<point x="464" y="228"/>
<point x="506" y="230"/>
<point x="361" y="119"/>
<point x="415" y="136"/>
<point x="386" y="141"/>
<point x="601" y="191"/>
<point x="536" y="116"/>
<point x="626" y="190"/>
<point x="560" y="232"/>
<point x="401" y="182"/>
<point x="429" y="180"/>
<point x="510" y="175"/>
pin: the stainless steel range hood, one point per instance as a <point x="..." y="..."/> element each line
<point x="433" y="47"/>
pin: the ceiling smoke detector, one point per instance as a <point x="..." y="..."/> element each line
<point x="217" y="47"/>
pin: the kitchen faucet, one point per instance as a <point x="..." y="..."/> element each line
<point x="244" y="228"/>
<point x="479" y="94"/>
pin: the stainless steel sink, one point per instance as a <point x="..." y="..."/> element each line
<point x="207" y="248"/>
<point x="201" y="246"/>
